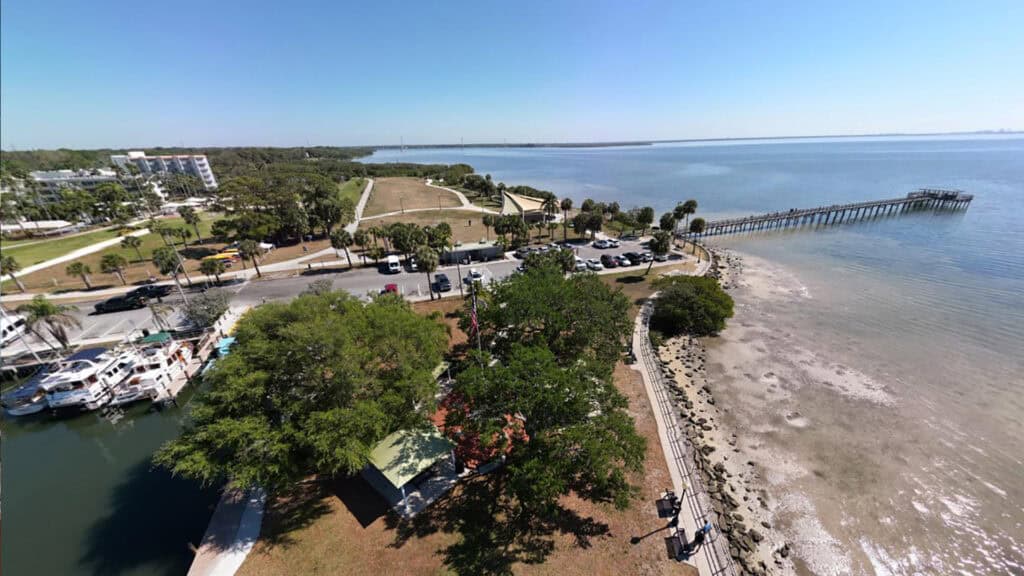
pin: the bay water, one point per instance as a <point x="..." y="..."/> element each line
<point x="874" y="371"/>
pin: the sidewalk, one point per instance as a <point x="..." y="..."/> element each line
<point x="74" y="254"/>
<point x="351" y="228"/>
<point x="466" y="204"/>
<point x="231" y="534"/>
<point x="710" y="560"/>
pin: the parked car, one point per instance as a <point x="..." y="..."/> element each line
<point x="150" y="291"/>
<point x="628" y="237"/>
<point x="609" y="261"/>
<point x="442" y="282"/>
<point x="613" y="243"/>
<point x="600" y="244"/>
<point x="633" y="257"/>
<point x="413" y="267"/>
<point x="390" y="289"/>
<point x="622" y="260"/>
<point x="581" y="265"/>
<point x="473" y="276"/>
<point x="594" y="264"/>
<point x="521" y="268"/>
<point x="392" y="265"/>
<point x="646" y="256"/>
<point x="661" y="257"/>
<point x="118" y="303"/>
<point x="523" y="252"/>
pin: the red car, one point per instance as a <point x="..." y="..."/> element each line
<point x="390" y="289"/>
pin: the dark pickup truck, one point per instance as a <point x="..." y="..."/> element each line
<point x="118" y="303"/>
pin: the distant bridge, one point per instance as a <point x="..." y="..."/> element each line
<point x="923" y="199"/>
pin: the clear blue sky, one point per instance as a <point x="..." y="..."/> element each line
<point x="215" y="73"/>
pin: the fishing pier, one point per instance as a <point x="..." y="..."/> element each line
<point x="923" y="199"/>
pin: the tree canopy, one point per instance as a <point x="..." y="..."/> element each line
<point x="694" y="305"/>
<point x="309" y="387"/>
<point x="578" y="317"/>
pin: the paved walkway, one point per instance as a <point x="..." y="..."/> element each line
<point x="713" y="558"/>
<point x="462" y="198"/>
<point x="232" y="532"/>
<point x="360" y="206"/>
<point x="74" y="254"/>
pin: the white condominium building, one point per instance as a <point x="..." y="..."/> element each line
<point x="194" y="164"/>
<point x="53" y="181"/>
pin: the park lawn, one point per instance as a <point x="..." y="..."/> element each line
<point x="37" y="251"/>
<point x="341" y="526"/>
<point x="466" y="224"/>
<point x="394" y="194"/>
<point x="55" y="279"/>
<point x="352" y="189"/>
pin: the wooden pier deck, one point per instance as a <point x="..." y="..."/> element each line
<point x="923" y="199"/>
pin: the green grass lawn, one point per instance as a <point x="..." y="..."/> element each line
<point x="352" y="189"/>
<point x="42" y="251"/>
<point x="55" y="277"/>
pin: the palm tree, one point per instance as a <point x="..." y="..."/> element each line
<point x="133" y="242"/>
<point x="488" y="221"/>
<point x="361" y="238"/>
<point x="80" y="269"/>
<point x="341" y="239"/>
<point x="8" y="265"/>
<point x="550" y="206"/>
<point x="212" y="267"/>
<point x="167" y="262"/>
<point x="188" y="214"/>
<point x="250" y="249"/>
<point x="684" y="210"/>
<point x="697" y="227"/>
<point x="114" y="263"/>
<point x="661" y="243"/>
<point x="184" y="234"/>
<point x="56" y="317"/>
<point x="427" y="260"/>
<point x="566" y="206"/>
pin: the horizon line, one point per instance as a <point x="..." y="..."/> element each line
<point x="563" y="144"/>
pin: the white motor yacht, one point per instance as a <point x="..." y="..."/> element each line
<point x="87" y="383"/>
<point x="163" y="360"/>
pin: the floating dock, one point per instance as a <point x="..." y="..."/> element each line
<point x="923" y="199"/>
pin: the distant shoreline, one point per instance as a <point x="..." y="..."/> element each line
<point x="612" y="144"/>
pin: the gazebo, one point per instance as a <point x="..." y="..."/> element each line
<point x="398" y="461"/>
<point x="523" y="206"/>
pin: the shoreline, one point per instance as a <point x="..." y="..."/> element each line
<point x="733" y="483"/>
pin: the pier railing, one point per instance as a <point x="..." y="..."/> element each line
<point x="925" y="198"/>
<point x="716" y="547"/>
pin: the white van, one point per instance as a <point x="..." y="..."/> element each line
<point x="392" y="265"/>
<point x="10" y="328"/>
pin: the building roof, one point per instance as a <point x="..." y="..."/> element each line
<point x="404" y="454"/>
<point x="516" y="204"/>
<point x="467" y="246"/>
<point x="158" y="338"/>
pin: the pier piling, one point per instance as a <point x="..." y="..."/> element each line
<point x="923" y="199"/>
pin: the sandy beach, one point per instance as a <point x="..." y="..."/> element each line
<point x="813" y="464"/>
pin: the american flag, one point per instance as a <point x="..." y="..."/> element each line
<point x="473" y="323"/>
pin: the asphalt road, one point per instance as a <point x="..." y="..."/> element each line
<point x="360" y="282"/>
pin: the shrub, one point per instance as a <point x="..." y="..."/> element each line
<point x="690" y="305"/>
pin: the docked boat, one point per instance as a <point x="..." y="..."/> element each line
<point x="27" y="398"/>
<point x="86" y="380"/>
<point x="163" y="360"/>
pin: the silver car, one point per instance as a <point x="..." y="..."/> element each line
<point x="594" y="264"/>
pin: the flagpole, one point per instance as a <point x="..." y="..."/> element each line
<point x="476" y="317"/>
